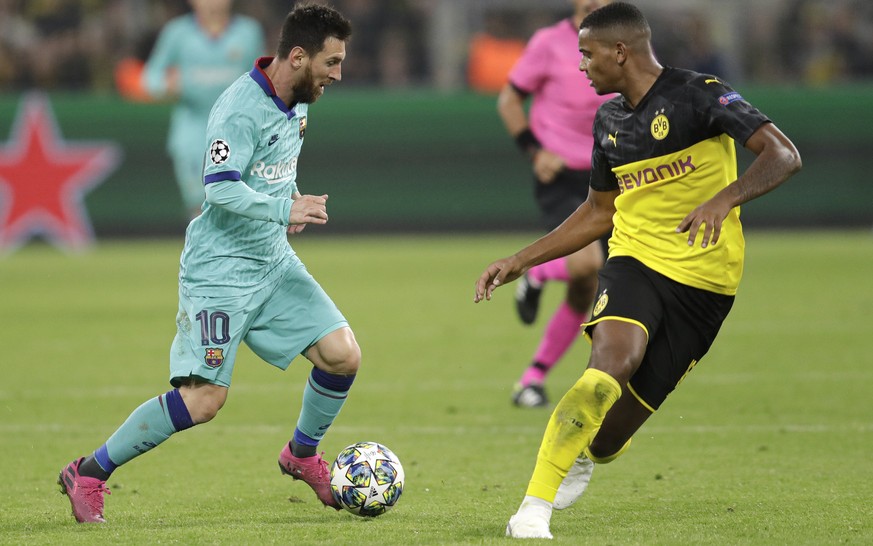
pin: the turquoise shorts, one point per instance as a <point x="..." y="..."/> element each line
<point x="278" y="322"/>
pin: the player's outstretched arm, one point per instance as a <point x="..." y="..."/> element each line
<point x="777" y="159"/>
<point x="589" y="222"/>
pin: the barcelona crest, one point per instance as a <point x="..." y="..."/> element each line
<point x="214" y="357"/>
<point x="302" y="126"/>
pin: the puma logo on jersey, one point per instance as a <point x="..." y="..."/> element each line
<point x="711" y="80"/>
<point x="613" y="139"/>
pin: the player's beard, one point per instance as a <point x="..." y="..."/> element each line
<point x="305" y="90"/>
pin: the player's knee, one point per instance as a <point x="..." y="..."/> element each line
<point x="349" y="361"/>
<point x="203" y="401"/>
<point x="338" y="353"/>
<point x="207" y="410"/>
<point x="618" y="349"/>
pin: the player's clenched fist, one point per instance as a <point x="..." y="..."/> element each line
<point x="307" y="209"/>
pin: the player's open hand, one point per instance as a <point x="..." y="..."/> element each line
<point x="710" y="215"/>
<point x="497" y="274"/>
<point x="307" y="209"/>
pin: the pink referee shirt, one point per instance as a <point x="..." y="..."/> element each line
<point x="563" y="103"/>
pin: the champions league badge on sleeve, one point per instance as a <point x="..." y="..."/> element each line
<point x="728" y="98"/>
<point x="219" y="151"/>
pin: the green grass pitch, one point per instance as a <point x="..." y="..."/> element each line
<point x="768" y="441"/>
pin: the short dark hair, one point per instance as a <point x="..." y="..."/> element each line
<point x="308" y="26"/>
<point x="617" y="14"/>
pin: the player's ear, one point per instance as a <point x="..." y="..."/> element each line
<point x="620" y="52"/>
<point x="296" y="56"/>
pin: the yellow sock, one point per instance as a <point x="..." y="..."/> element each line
<point x="572" y="427"/>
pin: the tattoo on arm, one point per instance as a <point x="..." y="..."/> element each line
<point x="763" y="176"/>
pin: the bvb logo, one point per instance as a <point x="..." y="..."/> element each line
<point x="660" y="127"/>
<point x="601" y="303"/>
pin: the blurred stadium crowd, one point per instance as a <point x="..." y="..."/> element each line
<point x="76" y="44"/>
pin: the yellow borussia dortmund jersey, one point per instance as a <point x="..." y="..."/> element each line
<point x="668" y="155"/>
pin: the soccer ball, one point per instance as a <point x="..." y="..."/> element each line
<point x="367" y="479"/>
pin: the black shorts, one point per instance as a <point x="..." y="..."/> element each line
<point x="562" y="197"/>
<point x="681" y="322"/>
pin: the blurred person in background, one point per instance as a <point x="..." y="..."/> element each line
<point x="49" y="46"/>
<point x="389" y="49"/>
<point x="557" y="138"/>
<point x="196" y="56"/>
<point x="697" y="51"/>
<point x="493" y="53"/>
<point x="821" y="42"/>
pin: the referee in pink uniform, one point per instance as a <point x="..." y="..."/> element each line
<point x="556" y="134"/>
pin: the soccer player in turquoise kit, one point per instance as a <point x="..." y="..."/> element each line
<point x="239" y="279"/>
<point x="195" y="58"/>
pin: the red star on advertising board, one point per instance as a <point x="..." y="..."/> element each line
<point x="43" y="179"/>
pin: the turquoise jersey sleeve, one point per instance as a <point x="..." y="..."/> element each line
<point x="237" y="197"/>
<point x="163" y="56"/>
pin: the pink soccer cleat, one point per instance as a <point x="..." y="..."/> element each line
<point x="312" y="470"/>
<point x="85" y="494"/>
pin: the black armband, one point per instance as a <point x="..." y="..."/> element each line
<point x="528" y="142"/>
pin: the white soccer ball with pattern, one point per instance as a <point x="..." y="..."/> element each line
<point x="367" y="479"/>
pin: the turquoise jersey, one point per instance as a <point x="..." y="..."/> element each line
<point x="206" y="65"/>
<point x="253" y="139"/>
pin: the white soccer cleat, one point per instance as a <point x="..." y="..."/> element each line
<point x="531" y="521"/>
<point x="575" y="483"/>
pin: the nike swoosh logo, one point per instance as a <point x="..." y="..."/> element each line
<point x="711" y="80"/>
<point x="273" y="140"/>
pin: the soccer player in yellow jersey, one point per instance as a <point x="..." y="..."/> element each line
<point x="664" y="180"/>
